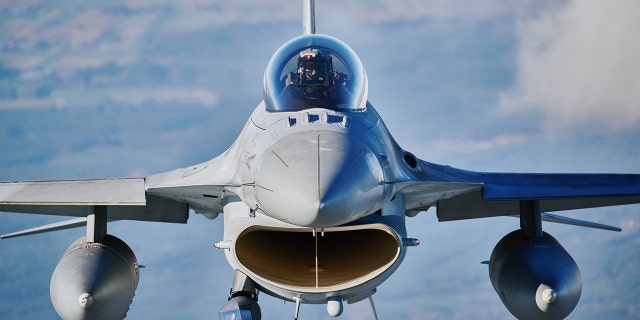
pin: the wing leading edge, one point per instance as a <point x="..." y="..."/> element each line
<point x="460" y="194"/>
<point x="163" y="197"/>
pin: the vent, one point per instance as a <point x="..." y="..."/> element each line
<point x="410" y="160"/>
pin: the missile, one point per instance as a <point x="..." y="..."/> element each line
<point x="95" y="280"/>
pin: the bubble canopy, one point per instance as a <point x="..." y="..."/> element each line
<point x="315" y="71"/>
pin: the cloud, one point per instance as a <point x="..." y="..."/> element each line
<point x="578" y="66"/>
<point x="468" y="146"/>
<point x="128" y="96"/>
<point x="432" y="114"/>
<point x="390" y="11"/>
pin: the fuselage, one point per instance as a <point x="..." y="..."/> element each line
<point x="309" y="187"/>
<point x="318" y="168"/>
<point x="317" y="154"/>
<point x="316" y="175"/>
<point x="314" y="214"/>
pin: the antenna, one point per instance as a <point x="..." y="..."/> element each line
<point x="308" y="17"/>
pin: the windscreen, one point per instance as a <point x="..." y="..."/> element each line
<point x="315" y="71"/>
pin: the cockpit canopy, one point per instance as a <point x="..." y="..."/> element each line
<point x="315" y="71"/>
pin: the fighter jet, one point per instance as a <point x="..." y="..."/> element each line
<point x="315" y="195"/>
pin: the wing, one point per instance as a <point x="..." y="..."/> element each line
<point x="460" y="194"/>
<point x="125" y="199"/>
<point x="202" y="187"/>
<point x="165" y="197"/>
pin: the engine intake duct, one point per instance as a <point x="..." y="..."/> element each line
<point x="346" y="256"/>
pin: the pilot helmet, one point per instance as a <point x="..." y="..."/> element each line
<point x="314" y="67"/>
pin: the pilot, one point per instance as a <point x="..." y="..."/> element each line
<point x="314" y="83"/>
<point x="312" y="67"/>
<point x="310" y="72"/>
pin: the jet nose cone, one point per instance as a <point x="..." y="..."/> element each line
<point x="318" y="179"/>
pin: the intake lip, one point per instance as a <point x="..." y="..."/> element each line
<point x="347" y="256"/>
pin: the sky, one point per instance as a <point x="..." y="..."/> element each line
<point x="133" y="88"/>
